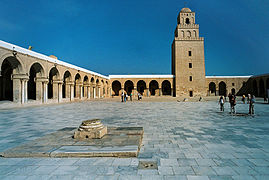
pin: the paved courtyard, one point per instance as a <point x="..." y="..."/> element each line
<point x="187" y="140"/>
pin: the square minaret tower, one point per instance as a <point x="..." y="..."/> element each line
<point x="188" y="60"/>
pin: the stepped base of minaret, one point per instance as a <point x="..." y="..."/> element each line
<point x="90" y="129"/>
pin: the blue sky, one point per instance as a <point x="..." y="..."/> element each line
<point x="134" y="37"/>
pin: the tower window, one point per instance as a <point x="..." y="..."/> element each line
<point x="232" y="84"/>
<point x="190" y="78"/>
<point x="189" y="53"/>
<point x="191" y="93"/>
<point x="190" y="65"/>
<point x="187" y="21"/>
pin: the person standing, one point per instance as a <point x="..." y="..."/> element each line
<point x="248" y="98"/>
<point x="124" y="97"/>
<point x="221" y="102"/>
<point x="244" y="98"/>
<point x="131" y="98"/>
<point x="233" y="103"/>
<point x="251" y="104"/>
<point x="265" y="99"/>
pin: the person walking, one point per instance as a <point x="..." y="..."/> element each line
<point x="221" y="102"/>
<point x="251" y="104"/>
<point x="122" y="96"/>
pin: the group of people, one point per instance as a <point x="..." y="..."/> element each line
<point x="232" y="100"/>
<point x="124" y="96"/>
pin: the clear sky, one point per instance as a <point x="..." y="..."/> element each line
<point x="135" y="36"/>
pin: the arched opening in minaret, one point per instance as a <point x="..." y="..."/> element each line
<point x="187" y="21"/>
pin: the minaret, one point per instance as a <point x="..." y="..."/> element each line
<point x="188" y="61"/>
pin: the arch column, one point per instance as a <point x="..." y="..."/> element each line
<point x="147" y="92"/>
<point x="122" y="88"/>
<point x="93" y="90"/>
<point x="20" y="87"/>
<point x="217" y="89"/>
<point x="41" y="82"/>
<point x="172" y="91"/>
<point x="81" y="91"/>
<point x="69" y="91"/>
<point x="160" y="92"/>
<point x="99" y="91"/>
<point x="78" y="90"/>
<point x="45" y="91"/>
<point x="134" y="91"/>
<point x="57" y="90"/>
<point x="85" y="87"/>
<point x="70" y="88"/>
<point x="88" y="91"/>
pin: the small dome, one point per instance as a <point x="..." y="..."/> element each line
<point x="185" y="10"/>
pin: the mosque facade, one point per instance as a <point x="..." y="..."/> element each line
<point x="30" y="77"/>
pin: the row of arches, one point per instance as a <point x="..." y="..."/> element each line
<point x="259" y="87"/>
<point x="188" y="34"/>
<point x="36" y="85"/>
<point x="222" y="91"/>
<point x="141" y="87"/>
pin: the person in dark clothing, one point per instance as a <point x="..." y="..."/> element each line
<point x="232" y="99"/>
<point x="221" y="102"/>
<point x="251" y="104"/>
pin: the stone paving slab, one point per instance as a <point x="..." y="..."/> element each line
<point x="186" y="140"/>
<point x="119" y="142"/>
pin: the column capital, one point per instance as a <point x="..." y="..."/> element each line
<point x="87" y="85"/>
<point x="57" y="82"/>
<point x="41" y="79"/>
<point x="70" y="83"/>
<point x="20" y="76"/>
<point x="79" y="84"/>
